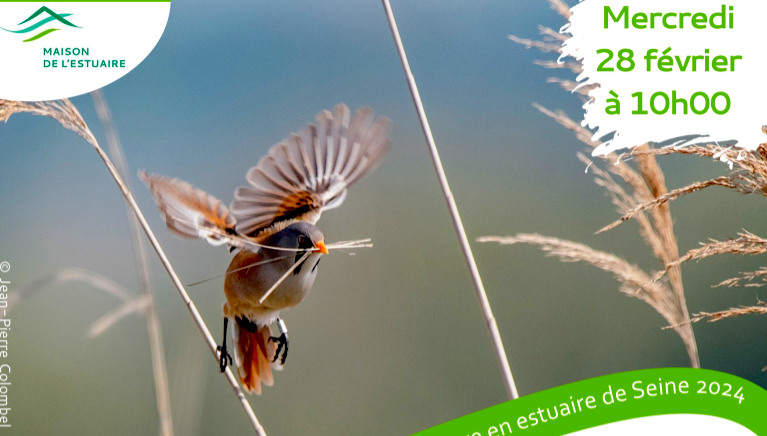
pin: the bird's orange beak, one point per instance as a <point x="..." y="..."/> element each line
<point x="320" y="246"/>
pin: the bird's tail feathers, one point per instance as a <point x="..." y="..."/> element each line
<point x="253" y="353"/>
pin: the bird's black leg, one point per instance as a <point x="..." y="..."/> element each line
<point x="282" y="340"/>
<point x="224" y="357"/>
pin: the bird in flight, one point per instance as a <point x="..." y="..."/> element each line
<point x="271" y="226"/>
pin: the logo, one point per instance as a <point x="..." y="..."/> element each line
<point x="94" y="43"/>
<point x="52" y="16"/>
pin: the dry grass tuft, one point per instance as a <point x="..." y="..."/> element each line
<point x="544" y="46"/>
<point x="746" y="276"/>
<point x="747" y="243"/>
<point x="569" y="85"/>
<point x="750" y="166"/>
<point x="639" y="192"/>
<point x="759" y="309"/>
<point x="561" y="8"/>
<point x="726" y="181"/>
<point x="62" y="111"/>
<point x="750" y="177"/>
<point x="634" y="281"/>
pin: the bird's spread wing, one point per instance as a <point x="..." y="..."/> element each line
<point x="310" y="172"/>
<point x="190" y="212"/>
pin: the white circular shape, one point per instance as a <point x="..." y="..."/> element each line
<point x="62" y="49"/>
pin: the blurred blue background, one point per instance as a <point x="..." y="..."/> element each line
<point x="391" y="340"/>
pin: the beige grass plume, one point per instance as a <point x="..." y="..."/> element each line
<point x="629" y="186"/>
<point x="639" y="192"/>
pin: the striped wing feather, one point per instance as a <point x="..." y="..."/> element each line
<point x="310" y="172"/>
<point x="188" y="211"/>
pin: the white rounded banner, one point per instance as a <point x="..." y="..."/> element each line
<point x="689" y="70"/>
<point x="669" y="425"/>
<point x="52" y="50"/>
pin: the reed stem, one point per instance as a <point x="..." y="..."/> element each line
<point x="157" y="350"/>
<point x="212" y="345"/>
<point x="511" y="387"/>
<point x="69" y="117"/>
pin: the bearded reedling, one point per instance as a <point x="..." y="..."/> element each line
<point x="272" y="227"/>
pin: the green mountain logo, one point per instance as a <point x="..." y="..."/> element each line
<point x="52" y="16"/>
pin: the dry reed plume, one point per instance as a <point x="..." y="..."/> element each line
<point x="69" y="117"/>
<point x="634" y="281"/>
<point x="759" y="309"/>
<point x="639" y="193"/>
<point x="628" y="185"/>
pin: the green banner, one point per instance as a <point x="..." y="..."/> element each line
<point x="618" y="397"/>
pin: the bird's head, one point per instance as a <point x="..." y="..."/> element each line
<point x="302" y="235"/>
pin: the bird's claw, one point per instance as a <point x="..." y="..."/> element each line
<point x="224" y="357"/>
<point x="282" y="341"/>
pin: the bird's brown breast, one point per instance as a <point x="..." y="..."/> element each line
<point x="246" y="284"/>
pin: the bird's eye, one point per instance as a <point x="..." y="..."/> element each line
<point x="302" y="240"/>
